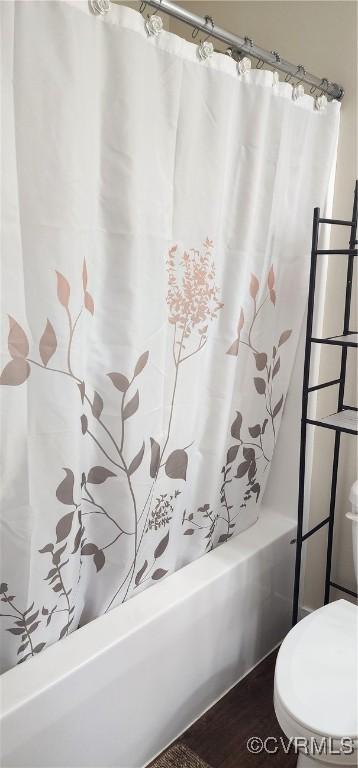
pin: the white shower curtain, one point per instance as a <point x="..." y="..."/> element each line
<point x="156" y="237"/>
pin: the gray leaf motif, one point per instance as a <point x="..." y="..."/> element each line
<point x="119" y="381"/>
<point x="284" y="337"/>
<point x="261" y="360"/>
<point x="64" y="526"/>
<point x="232" y="453"/>
<point x="98" y="555"/>
<point x="97" y="405"/>
<point x="155" y="457"/>
<point x="242" y="469"/>
<point x="56" y="557"/>
<point x="38" y="648"/>
<point x="158" y="574"/>
<point x="176" y="465"/>
<point x="277" y="407"/>
<point x="141" y="572"/>
<point x="84" y="423"/>
<point x="236" y="426"/>
<point x="141" y="363"/>
<point x="22" y="647"/>
<point x="136" y="462"/>
<point x="131" y="407"/>
<point x="98" y="475"/>
<point x="260" y="385"/>
<point x="99" y="559"/>
<point x="32" y="618"/>
<point x="89" y="549"/>
<point x="82" y="389"/>
<point x="161" y="546"/>
<point x="46" y="548"/>
<point x="64" y="492"/>
<point x="276" y="368"/>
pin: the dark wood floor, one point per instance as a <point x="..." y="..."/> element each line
<point x="220" y="736"/>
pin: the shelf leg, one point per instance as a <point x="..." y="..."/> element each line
<point x="331" y="517"/>
<point x="306" y="376"/>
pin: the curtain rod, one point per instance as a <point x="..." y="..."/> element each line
<point x="246" y="45"/>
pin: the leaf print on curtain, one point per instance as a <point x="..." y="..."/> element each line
<point x="249" y="456"/>
<point x="193" y="303"/>
<point x="133" y="441"/>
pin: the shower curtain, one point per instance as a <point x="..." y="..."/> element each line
<point x="156" y="237"/>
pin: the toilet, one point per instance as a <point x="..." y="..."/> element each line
<point x="316" y="679"/>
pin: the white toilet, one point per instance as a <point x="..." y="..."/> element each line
<point x="316" y="679"/>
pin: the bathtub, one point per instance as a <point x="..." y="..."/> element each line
<point x="120" y="689"/>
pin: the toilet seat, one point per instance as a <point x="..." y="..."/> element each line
<point x="316" y="677"/>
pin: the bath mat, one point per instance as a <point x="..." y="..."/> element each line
<point x="179" y="756"/>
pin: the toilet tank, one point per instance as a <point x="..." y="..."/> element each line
<point x="353" y="516"/>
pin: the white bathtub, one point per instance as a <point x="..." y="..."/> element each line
<point x="118" y="690"/>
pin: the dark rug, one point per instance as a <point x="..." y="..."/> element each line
<point x="179" y="756"/>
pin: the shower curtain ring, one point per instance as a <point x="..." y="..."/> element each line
<point x="324" y="85"/>
<point x="153" y="23"/>
<point x="300" y="71"/>
<point x="321" y="100"/>
<point x="205" y="48"/>
<point x="156" y="10"/>
<point x="208" y="19"/>
<point x="99" y="7"/>
<point x="298" y="90"/>
<point x="259" y="63"/>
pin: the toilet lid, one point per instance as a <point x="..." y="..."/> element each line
<point x="316" y="675"/>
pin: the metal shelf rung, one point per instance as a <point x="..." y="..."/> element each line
<point x="343" y="421"/>
<point x="343" y="589"/>
<point x="324" y="385"/>
<point x="315" y="529"/>
<point x="346" y="340"/>
<point x="336" y="221"/>
<point x="342" y="251"/>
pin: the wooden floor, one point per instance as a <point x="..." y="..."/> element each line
<point x="220" y="736"/>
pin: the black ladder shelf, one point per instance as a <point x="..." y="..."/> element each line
<point x="346" y="417"/>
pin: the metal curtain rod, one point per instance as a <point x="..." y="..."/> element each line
<point x="246" y="45"/>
